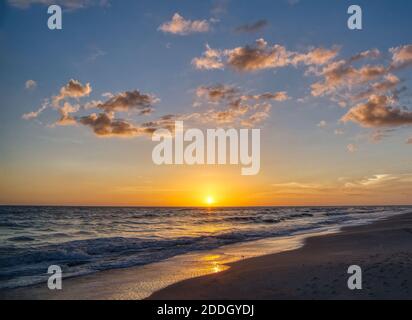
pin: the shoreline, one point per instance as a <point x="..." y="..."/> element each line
<point x="318" y="270"/>
<point x="196" y="271"/>
<point x="140" y="282"/>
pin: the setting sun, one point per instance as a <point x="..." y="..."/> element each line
<point x="209" y="200"/>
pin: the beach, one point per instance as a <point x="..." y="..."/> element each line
<point x="315" y="270"/>
<point x="318" y="270"/>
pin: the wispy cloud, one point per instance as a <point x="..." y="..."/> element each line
<point x="252" y="27"/>
<point x="229" y="105"/>
<point x="34" y="114"/>
<point x="380" y="180"/>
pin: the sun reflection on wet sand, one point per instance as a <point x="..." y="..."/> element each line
<point x="160" y="275"/>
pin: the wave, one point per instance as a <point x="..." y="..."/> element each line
<point x="22" y="238"/>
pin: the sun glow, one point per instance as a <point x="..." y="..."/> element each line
<point x="209" y="200"/>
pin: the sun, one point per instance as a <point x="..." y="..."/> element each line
<point x="209" y="200"/>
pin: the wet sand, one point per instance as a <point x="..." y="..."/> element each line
<point x="318" y="270"/>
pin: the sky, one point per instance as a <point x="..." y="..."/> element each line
<point x="79" y="104"/>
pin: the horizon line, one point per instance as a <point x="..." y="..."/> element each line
<point x="203" y="207"/>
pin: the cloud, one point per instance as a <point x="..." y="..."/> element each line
<point x="347" y="84"/>
<point x="317" y="56"/>
<point x="73" y="89"/>
<point x="231" y="106"/>
<point x="340" y="74"/>
<point x="66" y="118"/>
<point x="68" y="4"/>
<point x="379" y="134"/>
<point x="409" y="141"/>
<point x="261" y="56"/>
<point x="164" y="122"/>
<point x="129" y="101"/>
<point x="296" y="185"/>
<point x="261" y="112"/>
<point x="34" y="114"/>
<point x="258" y="57"/>
<point x="105" y="125"/>
<point x="253" y="27"/>
<point x="401" y="56"/>
<point x="96" y="54"/>
<point x="299" y="188"/>
<point x="30" y="84"/>
<point x="372" y="91"/>
<point x="378" y="112"/>
<point x="378" y="180"/>
<point x="102" y="124"/>
<point x="322" y="124"/>
<point x="219" y="92"/>
<point x="351" y="148"/>
<point x="179" y="26"/>
<point x="390" y="82"/>
<point x="277" y="96"/>
<point x="377" y="184"/>
<point x="216" y="92"/>
<point x="219" y="7"/>
<point x="210" y="59"/>
<point x="370" y="54"/>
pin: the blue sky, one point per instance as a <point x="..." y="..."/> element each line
<point x="118" y="47"/>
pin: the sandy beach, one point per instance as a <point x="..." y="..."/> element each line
<point x="316" y="270"/>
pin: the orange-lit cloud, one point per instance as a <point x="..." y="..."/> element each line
<point x="260" y="56"/>
<point x="229" y="105"/>
<point x="73" y="89"/>
<point x="129" y="101"/>
<point x="210" y="59"/>
<point x="402" y="56"/>
<point x="105" y="125"/>
<point x="378" y="112"/>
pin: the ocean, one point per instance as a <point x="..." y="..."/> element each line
<point x="85" y="240"/>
